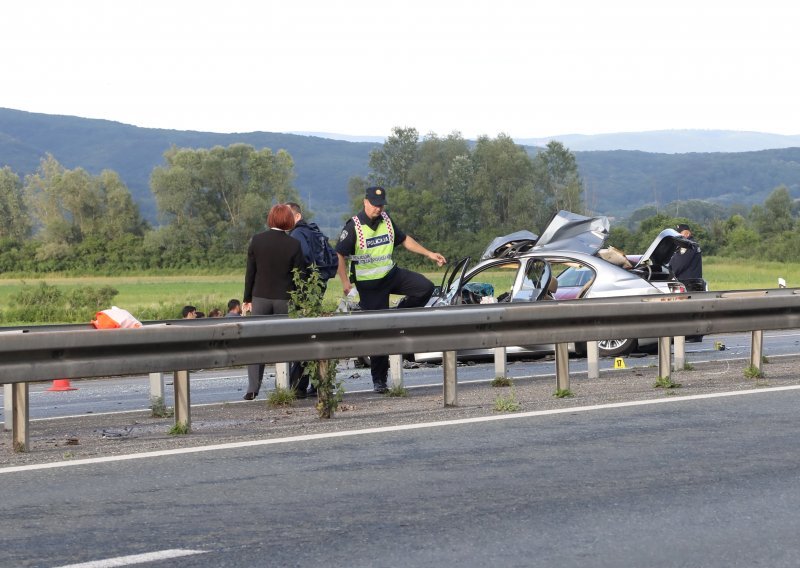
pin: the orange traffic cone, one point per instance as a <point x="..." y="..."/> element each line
<point x="62" y="385"/>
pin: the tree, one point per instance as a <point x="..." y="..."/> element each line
<point x="425" y="204"/>
<point x="558" y="180"/>
<point x="70" y="207"/>
<point x="16" y="223"/>
<point x="776" y="215"/>
<point x="214" y="200"/>
<point x="391" y="164"/>
<point x="503" y="187"/>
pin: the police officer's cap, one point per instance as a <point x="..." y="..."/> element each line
<point x="376" y="195"/>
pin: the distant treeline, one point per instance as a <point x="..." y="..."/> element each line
<point x="616" y="183"/>
<point x="451" y="194"/>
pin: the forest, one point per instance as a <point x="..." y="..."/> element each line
<point x="452" y="194"/>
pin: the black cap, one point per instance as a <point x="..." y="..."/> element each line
<point x="376" y="195"/>
<point x="682" y="227"/>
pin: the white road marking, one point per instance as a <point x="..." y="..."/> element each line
<point x="384" y="429"/>
<point x="135" y="559"/>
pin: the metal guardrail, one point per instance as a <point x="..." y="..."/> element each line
<point x="57" y="352"/>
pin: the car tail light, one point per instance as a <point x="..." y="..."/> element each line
<point x="677" y="288"/>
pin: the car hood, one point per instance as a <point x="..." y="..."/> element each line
<point x="503" y="246"/>
<point x="566" y="231"/>
<point x="572" y="232"/>
<point x="660" y="251"/>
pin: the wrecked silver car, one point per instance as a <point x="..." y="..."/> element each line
<point x="568" y="261"/>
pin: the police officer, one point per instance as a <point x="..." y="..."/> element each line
<point x="367" y="242"/>
<point x="687" y="262"/>
<point x="687" y="265"/>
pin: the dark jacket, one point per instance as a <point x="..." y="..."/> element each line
<point x="687" y="263"/>
<point x="271" y="257"/>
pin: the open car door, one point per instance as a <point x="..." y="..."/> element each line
<point x="448" y="293"/>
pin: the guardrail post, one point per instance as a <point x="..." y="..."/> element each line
<point x="679" y="349"/>
<point x="592" y="360"/>
<point x="182" y="399"/>
<point x="19" y="417"/>
<point x="664" y="367"/>
<point x="156" y="386"/>
<point x="757" y="349"/>
<point x="449" y="364"/>
<point x="282" y="375"/>
<point x="396" y="369"/>
<point x="562" y="367"/>
<point x="8" y="407"/>
<point x="500" y="362"/>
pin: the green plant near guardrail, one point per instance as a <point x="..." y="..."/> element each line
<point x="563" y="393"/>
<point x="397" y="391"/>
<point x="666" y="383"/>
<point x="507" y="403"/>
<point x="306" y="301"/>
<point x="179" y="429"/>
<point x="753" y="372"/>
<point x="281" y="397"/>
<point x="159" y="409"/>
<point x="501" y="382"/>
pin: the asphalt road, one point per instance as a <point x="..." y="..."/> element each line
<point x="710" y="482"/>
<point x="229" y="385"/>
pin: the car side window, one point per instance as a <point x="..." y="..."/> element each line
<point x="493" y="283"/>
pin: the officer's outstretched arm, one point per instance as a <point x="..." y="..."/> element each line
<point x="414" y="246"/>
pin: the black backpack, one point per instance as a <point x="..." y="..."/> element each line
<point x="322" y="253"/>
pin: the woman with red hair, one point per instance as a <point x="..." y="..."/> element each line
<point x="272" y="257"/>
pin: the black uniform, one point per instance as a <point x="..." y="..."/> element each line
<point x="374" y="294"/>
<point x="687" y="263"/>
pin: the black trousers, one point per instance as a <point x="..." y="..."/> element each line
<point x="263" y="307"/>
<point x="415" y="287"/>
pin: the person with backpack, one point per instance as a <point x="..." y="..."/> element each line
<point x="316" y="247"/>
<point x="318" y="252"/>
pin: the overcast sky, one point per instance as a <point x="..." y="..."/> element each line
<point x="524" y="68"/>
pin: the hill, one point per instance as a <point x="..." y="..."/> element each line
<point x="617" y="182"/>
<point x="671" y="141"/>
<point x="323" y="166"/>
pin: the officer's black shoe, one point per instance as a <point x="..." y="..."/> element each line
<point x="380" y="387"/>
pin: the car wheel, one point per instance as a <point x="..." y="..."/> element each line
<point x="615" y="347"/>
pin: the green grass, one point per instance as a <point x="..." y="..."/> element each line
<point x="397" y="391"/>
<point x="730" y="274"/>
<point x="179" y="429"/>
<point x="145" y="294"/>
<point x="281" y="397"/>
<point x="507" y="403"/>
<point x="502" y="382"/>
<point x="160" y="410"/>
<point x="753" y="372"/>
<point x="666" y="383"/>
